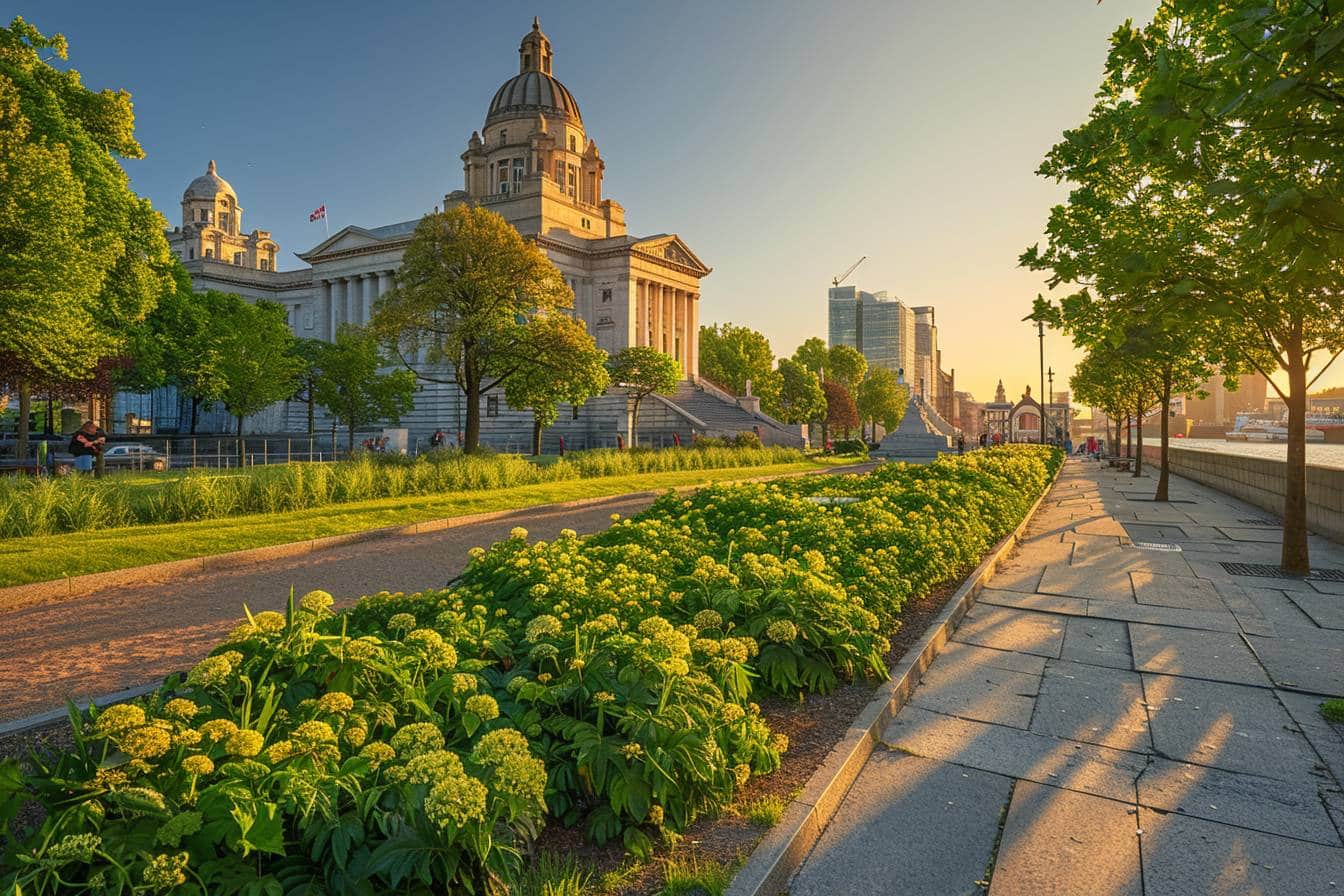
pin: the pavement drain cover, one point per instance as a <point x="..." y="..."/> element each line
<point x="1156" y="546"/>
<point x="1256" y="521"/>
<point x="1268" y="571"/>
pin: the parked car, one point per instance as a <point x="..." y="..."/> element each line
<point x="134" y="457"/>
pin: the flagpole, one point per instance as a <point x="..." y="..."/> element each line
<point x="325" y="226"/>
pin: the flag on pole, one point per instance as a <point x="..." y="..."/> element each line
<point x="319" y="214"/>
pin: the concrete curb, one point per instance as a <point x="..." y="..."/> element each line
<point x="782" y="850"/>
<point x="16" y="597"/>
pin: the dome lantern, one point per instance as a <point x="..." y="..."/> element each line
<point x="534" y="54"/>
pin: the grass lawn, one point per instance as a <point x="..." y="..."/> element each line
<point x="41" y="558"/>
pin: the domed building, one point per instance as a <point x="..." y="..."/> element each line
<point x="212" y="227"/>
<point x="534" y="163"/>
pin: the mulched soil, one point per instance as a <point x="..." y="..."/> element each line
<point x="814" y="725"/>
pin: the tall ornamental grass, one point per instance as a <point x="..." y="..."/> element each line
<point x="80" y="503"/>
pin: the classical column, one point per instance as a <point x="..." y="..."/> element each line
<point x="337" y="317"/>
<point x="657" y="315"/>
<point x="641" y="316"/>
<point x="372" y="291"/>
<point x="324" y="300"/>
<point x="693" y="303"/>
<point x="679" y="326"/>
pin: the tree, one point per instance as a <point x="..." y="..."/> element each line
<point x="643" y="371"/>
<point x="1229" y="110"/>
<point x="349" y="385"/>
<point x="734" y="356"/>
<point x="881" y="399"/>
<point x="801" y="399"/>
<point x="468" y="288"/>
<point x="82" y="258"/>
<point x="178" y="344"/>
<point x="841" y="415"/>
<point x="256" y="361"/>
<point x="566" y="366"/>
<point x="311" y="353"/>
<point x="846" y="365"/>
<point x="813" y="355"/>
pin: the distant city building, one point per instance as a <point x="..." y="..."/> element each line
<point x="882" y="328"/>
<point x="969" y="417"/>
<point x="1222" y="405"/>
<point x="927" y="357"/>
<point x="1020" y="421"/>
<point x="212" y="227"/>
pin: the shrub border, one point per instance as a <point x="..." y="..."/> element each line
<point x="15" y="597"/>
<point x="780" y="853"/>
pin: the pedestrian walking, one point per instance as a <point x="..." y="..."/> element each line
<point x="87" y="443"/>
<point x="437" y="440"/>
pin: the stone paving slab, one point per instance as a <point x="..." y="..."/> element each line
<point x="1067" y="844"/>
<point x="957" y="653"/>
<point x="1169" y="617"/>
<point x="1004" y="629"/>
<point x="1182" y="592"/>
<point x="1218" y="656"/>
<point x="1226" y="726"/>
<point x="1288" y="808"/>
<point x="933" y="824"/>
<point x="1092" y="704"/>
<point x="1100" y="642"/>
<point x="1326" y="739"/>
<point x="1185" y="856"/>
<point x="971" y="688"/>
<point x="1086" y="582"/>
<point x="1087" y="768"/>
<point x="1045" y="603"/>
<point x="1307" y="659"/>
<point x="1325" y="610"/>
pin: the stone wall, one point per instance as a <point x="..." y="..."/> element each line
<point x="1260" y="481"/>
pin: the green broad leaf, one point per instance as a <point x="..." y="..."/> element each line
<point x="401" y="857"/>
<point x="266" y="832"/>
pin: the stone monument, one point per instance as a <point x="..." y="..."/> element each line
<point x="916" y="440"/>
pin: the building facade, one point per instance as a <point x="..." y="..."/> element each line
<point x="535" y="164"/>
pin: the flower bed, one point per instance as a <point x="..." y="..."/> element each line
<point x="417" y="742"/>
<point x="78" y="503"/>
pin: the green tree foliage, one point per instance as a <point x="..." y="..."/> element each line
<point x="82" y="258"/>
<point x="642" y="371"/>
<point x="256" y="362"/>
<point x="846" y="365"/>
<point x="349" y="384"/>
<point x="881" y="399"/>
<point x="813" y="355"/>
<point x="842" y="417"/>
<point x="566" y="366"/>
<point x="468" y="288"/>
<point x="801" y="399"/>
<point x="732" y="356"/>
<point x="180" y="344"/>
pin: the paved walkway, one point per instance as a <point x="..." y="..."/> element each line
<point x="1115" y="718"/>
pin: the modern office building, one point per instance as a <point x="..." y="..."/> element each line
<point x="880" y="326"/>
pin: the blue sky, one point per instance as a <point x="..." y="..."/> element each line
<point x="781" y="140"/>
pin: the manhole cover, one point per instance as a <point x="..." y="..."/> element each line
<point x="1256" y="521"/>
<point x="1156" y="546"/>
<point x="1268" y="571"/>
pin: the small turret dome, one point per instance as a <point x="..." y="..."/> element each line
<point x="209" y="185"/>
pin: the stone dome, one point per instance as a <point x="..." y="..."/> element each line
<point x="209" y="185"/>
<point x="532" y="92"/>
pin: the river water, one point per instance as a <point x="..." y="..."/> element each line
<point x="1317" y="455"/>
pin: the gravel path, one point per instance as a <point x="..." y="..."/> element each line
<point x="130" y="636"/>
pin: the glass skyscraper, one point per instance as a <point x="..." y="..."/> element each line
<point x="880" y="327"/>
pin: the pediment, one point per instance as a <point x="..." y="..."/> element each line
<point x="343" y="240"/>
<point x="670" y="248"/>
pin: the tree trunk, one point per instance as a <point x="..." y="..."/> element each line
<point x="1115" y="445"/>
<point x="21" y="433"/>
<point x="195" y="404"/>
<point x="536" y="436"/>
<point x="312" y="412"/>
<point x="471" y="389"/>
<point x="634" y="422"/>
<point x="1296" y="555"/>
<point x="1129" y="436"/>
<point x="49" y="429"/>
<point x="241" y="453"/>
<point x="1164" y="477"/>
<point x="1138" y="442"/>
<point x="350" y="436"/>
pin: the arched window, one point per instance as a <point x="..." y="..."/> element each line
<point x="209" y="253"/>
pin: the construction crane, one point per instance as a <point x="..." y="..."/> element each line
<point x="845" y="276"/>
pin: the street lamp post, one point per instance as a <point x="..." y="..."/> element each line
<point x="1050" y="395"/>
<point x="1040" y="330"/>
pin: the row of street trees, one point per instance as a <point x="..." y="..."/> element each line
<point x="832" y="389"/>
<point x="1205" y="223"/>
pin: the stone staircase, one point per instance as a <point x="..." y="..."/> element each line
<point x="713" y="412"/>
